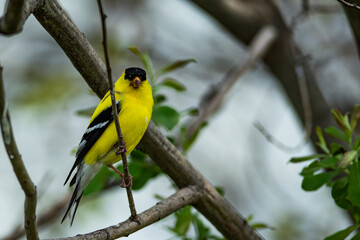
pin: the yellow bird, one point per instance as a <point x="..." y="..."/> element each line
<point x="99" y="143"/>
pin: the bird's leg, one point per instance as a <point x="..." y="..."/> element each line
<point x="122" y="184"/>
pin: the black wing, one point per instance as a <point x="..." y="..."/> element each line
<point x="91" y="135"/>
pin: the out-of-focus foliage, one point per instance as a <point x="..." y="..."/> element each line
<point x="338" y="167"/>
<point x="187" y="217"/>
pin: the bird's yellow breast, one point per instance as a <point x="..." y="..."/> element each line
<point x="134" y="117"/>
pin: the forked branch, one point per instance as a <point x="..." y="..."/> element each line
<point x="18" y="165"/>
<point x="180" y="199"/>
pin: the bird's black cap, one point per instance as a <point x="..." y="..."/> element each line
<point x="131" y="73"/>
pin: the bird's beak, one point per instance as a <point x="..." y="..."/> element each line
<point x="136" y="82"/>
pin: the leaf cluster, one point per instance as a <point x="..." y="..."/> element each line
<point x="337" y="167"/>
<point x="185" y="218"/>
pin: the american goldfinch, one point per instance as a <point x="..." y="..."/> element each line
<point x="99" y="143"/>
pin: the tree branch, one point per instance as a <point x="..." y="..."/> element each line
<point x="15" y="15"/>
<point x="244" y="19"/>
<point x="43" y="219"/>
<point x="183" y="197"/>
<point x="351" y="5"/>
<point x="82" y="55"/>
<point x="18" y="165"/>
<point x="54" y="211"/>
<point x="212" y="99"/>
<point x="13" y="20"/>
<point x="303" y="73"/>
<point x="353" y="15"/>
<point x="211" y="204"/>
<point x="122" y="146"/>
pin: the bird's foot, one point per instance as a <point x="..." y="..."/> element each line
<point x="121" y="149"/>
<point x="129" y="182"/>
<point x="123" y="183"/>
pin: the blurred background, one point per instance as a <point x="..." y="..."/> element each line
<point x="44" y="92"/>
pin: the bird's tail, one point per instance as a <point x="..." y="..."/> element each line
<point x="83" y="176"/>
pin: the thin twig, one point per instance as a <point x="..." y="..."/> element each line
<point x="347" y="4"/>
<point x="43" y="219"/>
<point x="183" y="197"/>
<point x="312" y="9"/>
<point x="18" y="165"/>
<point x="122" y="146"/>
<point x="305" y="100"/>
<point x="212" y="99"/>
<point x="54" y="211"/>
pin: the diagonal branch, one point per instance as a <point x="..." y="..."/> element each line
<point x="180" y="199"/>
<point x="244" y="19"/>
<point x="15" y="15"/>
<point x="353" y="15"/>
<point x="217" y="209"/>
<point x="216" y="93"/>
<point x="122" y="147"/>
<point x="351" y="5"/>
<point x="18" y="165"/>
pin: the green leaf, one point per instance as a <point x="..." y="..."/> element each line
<point x="73" y="151"/>
<point x="339" y="193"/>
<point x="165" y="116"/>
<point x="173" y="66"/>
<point x="137" y="155"/>
<point x="321" y="143"/>
<point x="98" y="182"/>
<point x="87" y="112"/>
<point x="356" y="144"/>
<point x="336" y="148"/>
<point x="136" y="51"/>
<point x="336" y="133"/>
<point x="329" y="162"/>
<point x="306" y="158"/>
<point x="188" y="142"/>
<point x="342" y="121"/>
<point x="183" y="221"/>
<point x="142" y="171"/>
<point x="202" y="232"/>
<point x="314" y="182"/>
<point x="311" y="169"/>
<point x="220" y="190"/>
<point x="145" y="59"/>
<point x="250" y="218"/>
<point x="355" y="115"/>
<point x="354" y="184"/>
<point x="347" y="159"/>
<point x="341" y="235"/>
<point x="172" y="83"/>
<point x="261" y="226"/>
<point x="193" y="111"/>
<point x="159" y="98"/>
